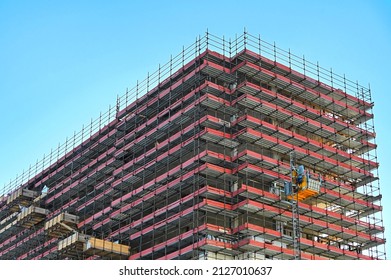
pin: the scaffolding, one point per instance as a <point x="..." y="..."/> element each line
<point x="191" y="164"/>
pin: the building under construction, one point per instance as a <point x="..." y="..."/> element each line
<point x="234" y="149"/>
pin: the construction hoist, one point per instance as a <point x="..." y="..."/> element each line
<point x="300" y="187"/>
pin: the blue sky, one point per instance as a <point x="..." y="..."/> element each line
<point x="63" y="62"/>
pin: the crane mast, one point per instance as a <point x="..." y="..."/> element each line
<point x="295" y="212"/>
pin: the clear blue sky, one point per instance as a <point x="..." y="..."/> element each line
<point x="63" y="62"/>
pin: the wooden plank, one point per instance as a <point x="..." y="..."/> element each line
<point x="104" y="248"/>
<point x="73" y="245"/>
<point x="31" y="216"/>
<point x="20" y="197"/>
<point x="22" y="194"/>
<point x="55" y="228"/>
